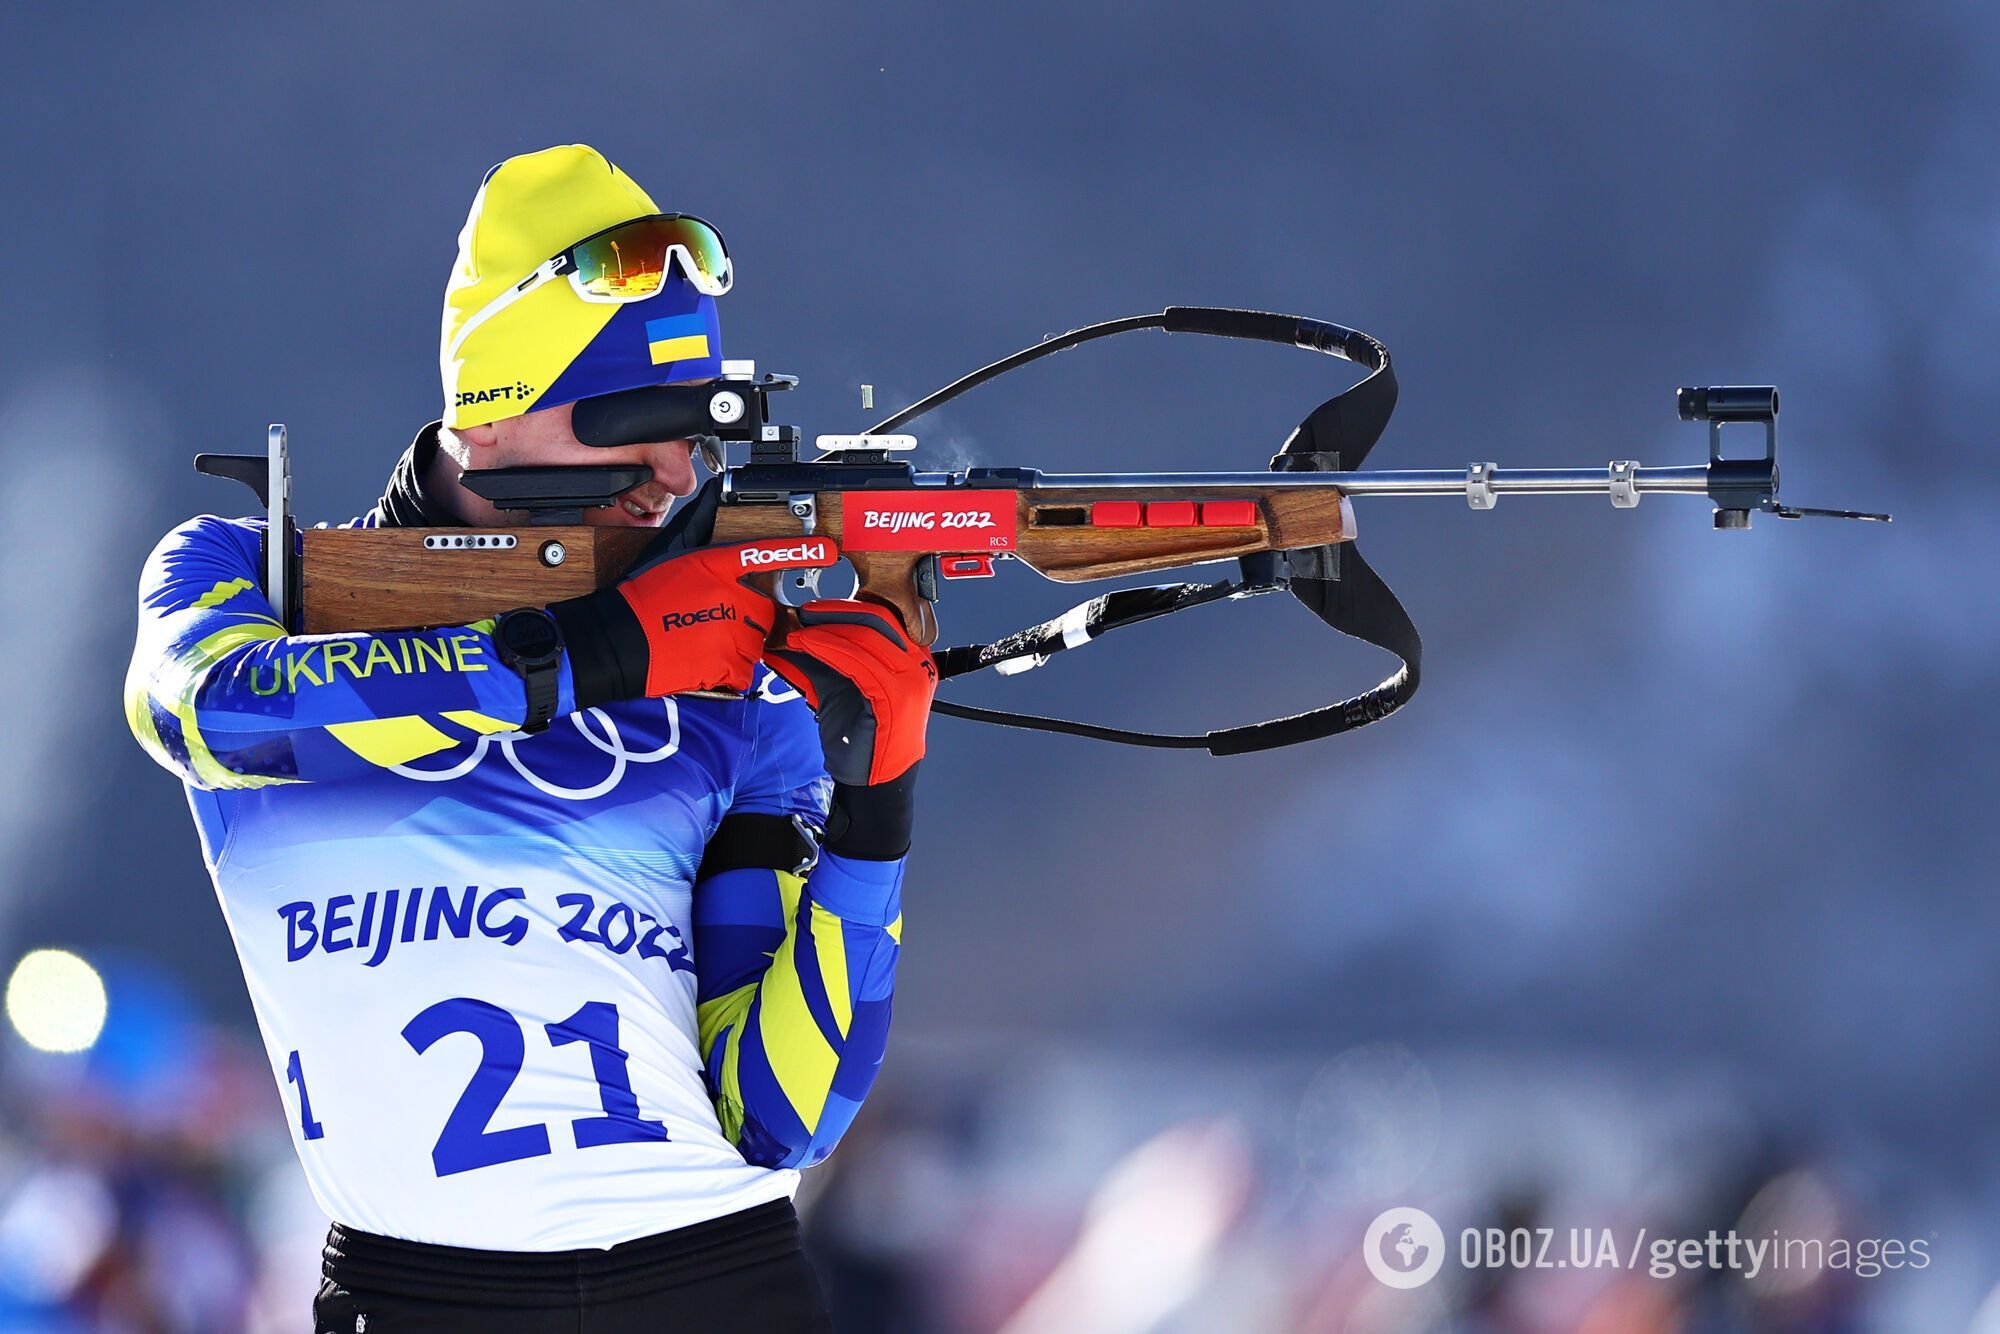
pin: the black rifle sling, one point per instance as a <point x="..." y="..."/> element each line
<point x="1333" y="581"/>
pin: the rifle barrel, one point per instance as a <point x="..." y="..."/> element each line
<point x="1689" y="480"/>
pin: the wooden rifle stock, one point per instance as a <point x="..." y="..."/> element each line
<point x="407" y="578"/>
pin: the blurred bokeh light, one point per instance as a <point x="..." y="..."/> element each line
<point x="56" y="1001"/>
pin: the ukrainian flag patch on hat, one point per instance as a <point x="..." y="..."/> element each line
<point x="677" y="338"/>
<point x="626" y="354"/>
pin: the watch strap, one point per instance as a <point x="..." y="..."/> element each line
<point x="542" y="678"/>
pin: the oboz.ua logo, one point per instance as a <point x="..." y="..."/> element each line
<point x="516" y="392"/>
<point x="1403" y="1247"/>
<point x="804" y="551"/>
<point x="675" y="620"/>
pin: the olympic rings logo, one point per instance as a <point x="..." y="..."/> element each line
<point x="611" y="742"/>
<point x="771" y="689"/>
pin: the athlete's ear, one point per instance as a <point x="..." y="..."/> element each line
<point x="483" y="436"/>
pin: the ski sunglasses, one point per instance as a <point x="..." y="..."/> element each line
<point x="625" y="263"/>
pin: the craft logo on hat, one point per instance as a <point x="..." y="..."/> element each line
<point x="506" y="393"/>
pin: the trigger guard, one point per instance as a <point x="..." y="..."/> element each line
<point x="795" y="588"/>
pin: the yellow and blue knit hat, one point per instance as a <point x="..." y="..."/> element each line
<point x="551" y="347"/>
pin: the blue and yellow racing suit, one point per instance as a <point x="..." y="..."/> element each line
<point x="505" y="1009"/>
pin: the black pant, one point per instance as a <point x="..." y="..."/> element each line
<point x="741" y="1272"/>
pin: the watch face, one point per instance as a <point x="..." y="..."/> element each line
<point x="530" y="636"/>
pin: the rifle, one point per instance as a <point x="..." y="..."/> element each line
<point x="905" y="532"/>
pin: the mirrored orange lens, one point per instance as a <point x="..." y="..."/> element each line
<point x="630" y="263"/>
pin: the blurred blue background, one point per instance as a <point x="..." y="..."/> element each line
<point x="1667" y="903"/>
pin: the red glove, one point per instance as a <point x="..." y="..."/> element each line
<point x="685" y="622"/>
<point x="867" y="681"/>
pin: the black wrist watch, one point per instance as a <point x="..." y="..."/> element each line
<point x="530" y="643"/>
